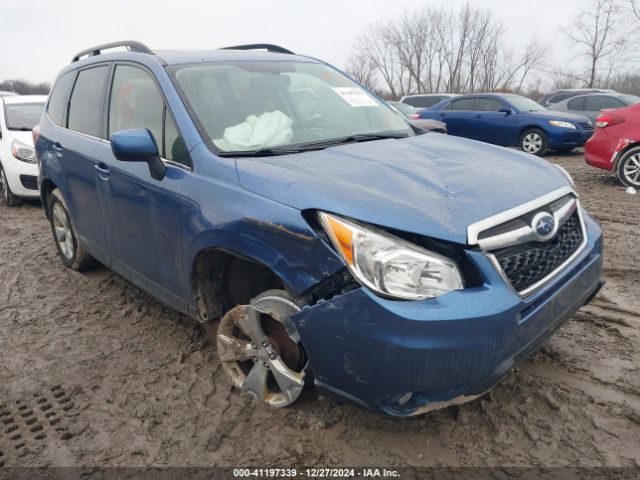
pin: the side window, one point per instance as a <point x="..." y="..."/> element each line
<point x="86" y="101"/>
<point x="59" y="98"/>
<point x="489" y="105"/>
<point x="174" y="147"/>
<point x="576" y="104"/>
<point x="413" y="101"/>
<point x="135" y="102"/>
<point x="464" y="104"/>
<point x="600" y="102"/>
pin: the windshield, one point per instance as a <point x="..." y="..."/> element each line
<point x="23" y="116"/>
<point x="523" y="104"/>
<point x="249" y="106"/>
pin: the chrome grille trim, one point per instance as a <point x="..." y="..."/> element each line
<point x="521" y="235"/>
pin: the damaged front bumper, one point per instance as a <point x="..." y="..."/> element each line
<point x="410" y="357"/>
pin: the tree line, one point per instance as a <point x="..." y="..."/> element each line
<point x="24" y="87"/>
<point x="464" y="49"/>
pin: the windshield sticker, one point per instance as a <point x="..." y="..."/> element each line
<point x="356" y="97"/>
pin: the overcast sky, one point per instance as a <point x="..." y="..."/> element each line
<point x="39" y="37"/>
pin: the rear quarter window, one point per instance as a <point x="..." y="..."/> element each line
<point x="86" y="101"/>
<point x="58" y="100"/>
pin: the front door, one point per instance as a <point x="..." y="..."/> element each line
<point x="143" y="215"/>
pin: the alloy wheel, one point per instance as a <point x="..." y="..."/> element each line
<point x="532" y="143"/>
<point x="261" y="351"/>
<point x="631" y="169"/>
<point x="62" y="228"/>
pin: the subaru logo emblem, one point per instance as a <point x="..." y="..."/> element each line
<point x="544" y="225"/>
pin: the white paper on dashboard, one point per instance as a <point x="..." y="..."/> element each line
<point x="356" y="97"/>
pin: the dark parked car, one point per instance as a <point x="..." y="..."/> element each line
<point x="511" y="121"/>
<point x="319" y="239"/>
<point x="414" y="118"/>
<point x="592" y="104"/>
<point x="560" y="95"/>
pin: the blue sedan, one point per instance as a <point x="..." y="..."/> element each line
<point x="511" y="121"/>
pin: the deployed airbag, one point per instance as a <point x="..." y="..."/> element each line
<point x="267" y="130"/>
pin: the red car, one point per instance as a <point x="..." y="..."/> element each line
<point x="615" y="144"/>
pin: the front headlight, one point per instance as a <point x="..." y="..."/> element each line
<point x="23" y="152"/>
<point x="390" y="265"/>
<point x="561" y="124"/>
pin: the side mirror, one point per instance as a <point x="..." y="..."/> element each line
<point x="506" y="111"/>
<point x="138" y="145"/>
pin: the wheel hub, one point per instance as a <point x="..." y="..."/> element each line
<point x="261" y="352"/>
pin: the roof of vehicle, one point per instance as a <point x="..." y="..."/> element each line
<point x="586" y="90"/>
<point x="18" y="99"/>
<point x="431" y="95"/>
<point x="137" y="50"/>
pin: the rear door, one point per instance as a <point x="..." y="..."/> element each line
<point x="459" y="116"/>
<point x="76" y="151"/>
<point x="142" y="215"/>
<point x="492" y="125"/>
<point x="594" y="104"/>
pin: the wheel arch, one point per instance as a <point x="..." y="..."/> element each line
<point x="222" y="278"/>
<point x="46" y="187"/>
<point x="623" y="152"/>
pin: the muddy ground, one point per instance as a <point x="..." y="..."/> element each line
<point x="95" y="372"/>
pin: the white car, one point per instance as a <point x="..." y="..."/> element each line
<point x="18" y="167"/>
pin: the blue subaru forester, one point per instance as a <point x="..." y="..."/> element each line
<point x="317" y="236"/>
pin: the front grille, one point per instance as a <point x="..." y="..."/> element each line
<point x="526" y="264"/>
<point x="586" y="125"/>
<point x="29" y="182"/>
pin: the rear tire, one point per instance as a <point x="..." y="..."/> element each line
<point x="71" y="251"/>
<point x="629" y="168"/>
<point x="534" y="141"/>
<point x="10" y="200"/>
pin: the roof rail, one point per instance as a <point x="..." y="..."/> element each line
<point x="261" y="46"/>
<point x="133" y="46"/>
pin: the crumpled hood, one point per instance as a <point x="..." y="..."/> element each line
<point x="432" y="184"/>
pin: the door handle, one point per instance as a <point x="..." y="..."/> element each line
<point x="56" y="147"/>
<point x="103" y="171"/>
<point x="478" y="116"/>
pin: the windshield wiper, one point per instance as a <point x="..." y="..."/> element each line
<point x="306" y="147"/>
<point x="365" y="137"/>
<point x="20" y="129"/>
<point x="261" y="152"/>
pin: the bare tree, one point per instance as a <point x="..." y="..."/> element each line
<point x="362" y="69"/>
<point x="635" y="8"/>
<point x="594" y="32"/>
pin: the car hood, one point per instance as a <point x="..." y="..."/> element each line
<point x="432" y="184"/>
<point x="557" y="115"/>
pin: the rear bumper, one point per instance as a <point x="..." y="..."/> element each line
<point x="406" y="358"/>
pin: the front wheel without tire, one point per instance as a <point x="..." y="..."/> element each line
<point x="629" y="168"/>
<point x="260" y="349"/>
<point x="10" y="200"/>
<point x="71" y="251"/>
<point x="534" y="141"/>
